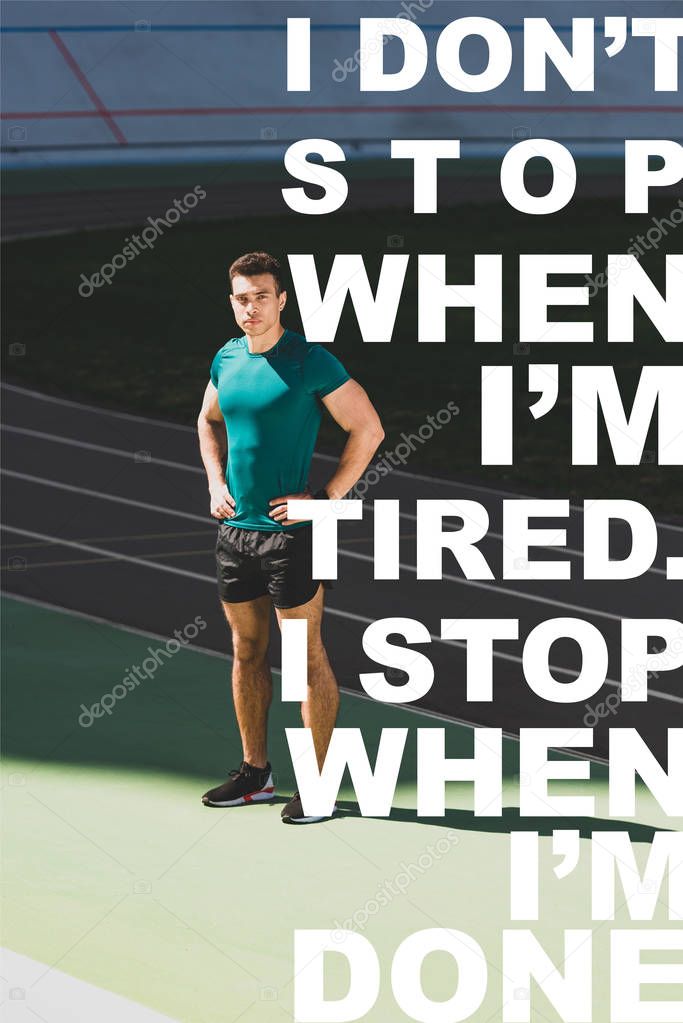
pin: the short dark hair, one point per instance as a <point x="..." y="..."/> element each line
<point x="253" y="263"/>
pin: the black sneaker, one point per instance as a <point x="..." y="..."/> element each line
<point x="293" y="812"/>
<point x="247" y="785"/>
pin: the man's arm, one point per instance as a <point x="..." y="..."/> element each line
<point x="351" y="408"/>
<point x="213" y="446"/>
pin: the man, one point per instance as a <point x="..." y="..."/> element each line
<point x="263" y="406"/>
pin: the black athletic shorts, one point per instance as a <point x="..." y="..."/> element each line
<point x="251" y="563"/>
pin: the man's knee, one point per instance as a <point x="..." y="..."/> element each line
<point x="249" y="650"/>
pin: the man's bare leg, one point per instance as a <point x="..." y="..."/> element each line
<point x="252" y="687"/>
<point x="319" y="710"/>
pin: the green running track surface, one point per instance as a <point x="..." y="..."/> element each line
<point x="116" y="874"/>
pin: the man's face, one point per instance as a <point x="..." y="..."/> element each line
<point x="256" y="304"/>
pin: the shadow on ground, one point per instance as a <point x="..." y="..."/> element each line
<point x="180" y="720"/>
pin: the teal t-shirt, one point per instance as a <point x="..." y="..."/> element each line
<point x="272" y="411"/>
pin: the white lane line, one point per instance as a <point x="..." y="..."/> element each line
<point x="88" y="446"/>
<point x="49" y="994"/>
<point x="183" y="534"/>
<point x="114" y="555"/>
<point x="194" y="648"/>
<point x="438" y="481"/>
<point x="54" y="400"/>
<point x="337" y="612"/>
<point x="130" y="501"/>
<point x="354" y="555"/>
<point x="131" y="456"/>
<point x="507" y="590"/>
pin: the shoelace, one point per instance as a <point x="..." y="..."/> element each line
<point x="244" y="769"/>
